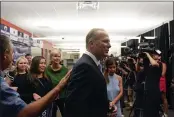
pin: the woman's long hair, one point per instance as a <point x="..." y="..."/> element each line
<point x="108" y="62"/>
<point x="34" y="70"/>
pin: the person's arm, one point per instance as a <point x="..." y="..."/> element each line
<point x="8" y="81"/>
<point x="152" y="61"/>
<point x="126" y="67"/>
<point x="164" y="69"/>
<point x="122" y="70"/>
<point x="35" y="108"/>
<point x="137" y="67"/>
<point x="117" y="98"/>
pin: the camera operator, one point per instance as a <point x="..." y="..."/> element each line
<point x="139" y="88"/>
<point x="125" y="72"/>
<point x="148" y="96"/>
<point x="131" y="78"/>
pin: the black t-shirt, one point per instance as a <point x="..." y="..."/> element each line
<point x="139" y="87"/>
<point x="153" y="77"/>
<point x="43" y="87"/>
<point x="25" y="89"/>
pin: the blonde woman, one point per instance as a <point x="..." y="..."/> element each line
<point x="56" y="72"/>
<point x="21" y="80"/>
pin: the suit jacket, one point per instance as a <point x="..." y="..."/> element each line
<point x="86" y="91"/>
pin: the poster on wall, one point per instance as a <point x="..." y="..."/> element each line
<point x="5" y="30"/>
<point x="20" y="36"/>
<point x="26" y="39"/>
<point x="20" y="49"/>
<point x="31" y="41"/>
<point x="36" y="43"/>
<point x="13" y="34"/>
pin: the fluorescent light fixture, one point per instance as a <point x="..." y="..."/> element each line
<point x="124" y="46"/>
<point x="45" y="38"/>
<point x="78" y="39"/>
<point x="87" y="5"/>
<point x="153" y="37"/>
<point x="150" y="37"/>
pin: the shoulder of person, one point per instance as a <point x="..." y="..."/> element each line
<point x="118" y="77"/>
<point x="83" y="64"/>
<point x="82" y="67"/>
<point x="164" y="64"/>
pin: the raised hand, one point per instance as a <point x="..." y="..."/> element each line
<point x="64" y="80"/>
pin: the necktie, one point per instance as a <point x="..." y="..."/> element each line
<point x="100" y="67"/>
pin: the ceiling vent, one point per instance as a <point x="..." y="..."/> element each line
<point x="87" y="5"/>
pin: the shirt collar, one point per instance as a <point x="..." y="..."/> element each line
<point x="93" y="57"/>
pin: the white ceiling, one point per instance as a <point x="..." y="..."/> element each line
<point x="55" y="20"/>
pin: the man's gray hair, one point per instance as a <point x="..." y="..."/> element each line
<point x="92" y="35"/>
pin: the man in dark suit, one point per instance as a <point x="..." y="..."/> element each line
<point x="86" y="91"/>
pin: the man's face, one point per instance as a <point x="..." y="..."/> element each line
<point x="29" y="58"/>
<point x="101" y="44"/>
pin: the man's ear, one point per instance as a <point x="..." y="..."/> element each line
<point x="6" y="54"/>
<point x="91" y="42"/>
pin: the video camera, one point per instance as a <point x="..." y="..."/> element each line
<point x="137" y="47"/>
<point x="146" y="45"/>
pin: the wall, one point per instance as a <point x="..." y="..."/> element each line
<point x="3" y="21"/>
<point x="43" y="48"/>
<point x="46" y="49"/>
<point x="20" y="38"/>
<point x="36" y="51"/>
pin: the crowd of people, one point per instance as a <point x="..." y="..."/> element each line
<point x="98" y="85"/>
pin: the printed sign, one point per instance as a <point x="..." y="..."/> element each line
<point x="26" y="39"/>
<point x="5" y="29"/>
<point x="20" y="36"/>
<point x="13" y="34"/>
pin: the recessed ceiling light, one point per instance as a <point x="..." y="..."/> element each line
<point x="44" y="27"/>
